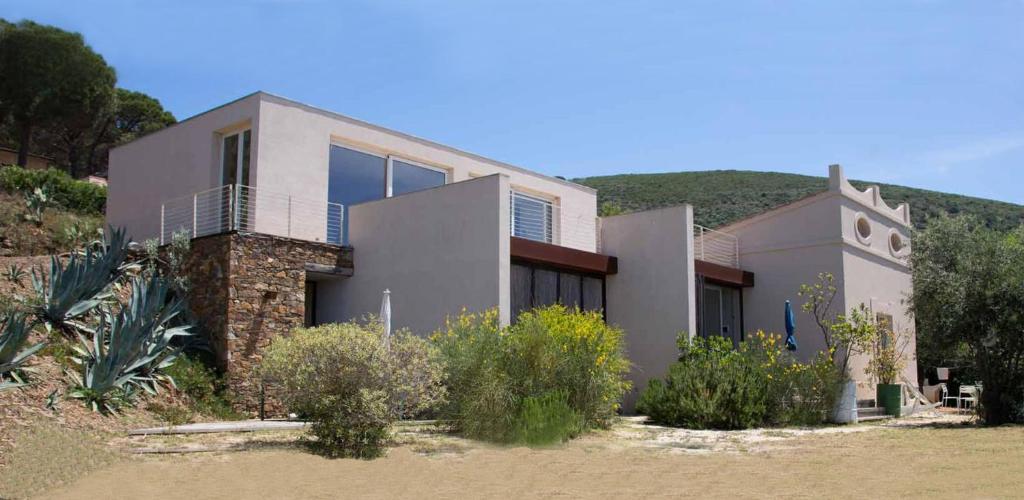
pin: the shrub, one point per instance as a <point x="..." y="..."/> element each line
<point x="714" y="386"/>
<point x="546" y="419"/>
<point x="350" y="386"/>
<point x="62" y="190"/>
<point x="493" y="373"/>
<point x="205" y="390"/>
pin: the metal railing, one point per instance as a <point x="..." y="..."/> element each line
<point x="540" y="220"/>
<point x="716" y="247"/>
<point x="236" y="207"/>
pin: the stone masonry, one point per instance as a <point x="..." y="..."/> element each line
<point x="247" y="289"/>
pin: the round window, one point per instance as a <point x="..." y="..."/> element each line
<point x="896" y="243"/>
<point x="863" y="228"/>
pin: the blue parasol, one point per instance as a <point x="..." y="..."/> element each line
<point x="790" y="328"/>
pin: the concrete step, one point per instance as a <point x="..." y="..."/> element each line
<point x="871" y="412"/>
<point x="873" y="418"/>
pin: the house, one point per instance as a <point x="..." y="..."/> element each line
<point x="303" y="216"/>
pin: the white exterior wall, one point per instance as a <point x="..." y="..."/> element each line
<point x="652" y="296"/>
<point x="438" y="251"/>
<point x="175" y="162"/>
<point x="295" y="141"/>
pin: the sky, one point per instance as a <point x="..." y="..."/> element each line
<point x="924" y="93"/>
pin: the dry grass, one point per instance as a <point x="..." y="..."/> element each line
<point x="917" y="460"/>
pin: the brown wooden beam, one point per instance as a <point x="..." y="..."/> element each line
<point x="563" y="257"/>
<point x="723" y="274"/>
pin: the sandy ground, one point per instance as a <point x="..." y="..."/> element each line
<point x="934" y="457"/>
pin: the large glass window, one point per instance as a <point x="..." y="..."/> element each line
<point x="531" y="218"/>
<point x="357" y="177"/>
<point x="406" y="177"/>
<point x="353" y="177"/>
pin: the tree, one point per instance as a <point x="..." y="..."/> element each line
<point x="135" y="114"/>
<point x="50" y="76"/>
<point x="969" y="297"/>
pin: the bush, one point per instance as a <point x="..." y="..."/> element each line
<point x="350" y="386"/>
<point x="64" y="191"/>
<point x="501" y="381"/>
<point x="545" y="419"/>
<point x="205" y="390"/>
<point x="714" y="386"/>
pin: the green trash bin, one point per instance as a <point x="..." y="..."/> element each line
<point x="890" y="397"/>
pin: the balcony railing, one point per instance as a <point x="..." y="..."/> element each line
<point x="235" y="207"/>
<point x="716" y="247"/>
<point x="540" y="220"/>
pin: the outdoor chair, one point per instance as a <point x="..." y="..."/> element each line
<point x="968" y="395"/>
<point x="944" y="396"/>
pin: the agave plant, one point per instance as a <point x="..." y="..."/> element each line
<point x="14" y="333"/>
<point x="83" y="284"/>
<point x="15" y="273"/>
<point x="128" y="349"/>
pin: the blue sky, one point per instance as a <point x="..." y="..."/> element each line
<point x="923" y="93"/>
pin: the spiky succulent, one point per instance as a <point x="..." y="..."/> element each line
<point x="83" y="284"/>
<point x="14" y="333"/>
<point x="127" y="350"/>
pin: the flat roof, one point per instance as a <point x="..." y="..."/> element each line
<point x="284" y="100"/>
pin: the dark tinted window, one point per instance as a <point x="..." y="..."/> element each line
<point x="407" y="178"/>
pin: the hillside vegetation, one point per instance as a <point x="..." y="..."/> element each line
<point x="723" y="196"/>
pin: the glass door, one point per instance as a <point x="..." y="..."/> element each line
<point x="235" y="159"/>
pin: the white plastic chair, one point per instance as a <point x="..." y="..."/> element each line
<point x="945" y="396"/>
<point x="968" y="396"/>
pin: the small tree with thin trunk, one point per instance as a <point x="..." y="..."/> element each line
<point x="844" y="334"/>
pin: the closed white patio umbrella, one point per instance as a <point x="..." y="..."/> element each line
<point x="385" y="318"/>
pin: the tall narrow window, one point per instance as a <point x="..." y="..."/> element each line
<point x="235" y="158"/>
<point x="531" y="218"/>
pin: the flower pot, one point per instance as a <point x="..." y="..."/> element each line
<point x="845" y="411"/>
<point x="890" y="397"/>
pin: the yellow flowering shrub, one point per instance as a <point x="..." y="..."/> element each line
<point x="551" y="354"/>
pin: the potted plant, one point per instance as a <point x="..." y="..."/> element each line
<point x="886" y="366"/>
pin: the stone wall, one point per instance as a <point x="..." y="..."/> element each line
<point x="247" y="289"/>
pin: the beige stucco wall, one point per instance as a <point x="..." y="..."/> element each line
<point x="785" y="250"/>
<point x="174" y="162"/>
<point x="289" y="157"/>
<point x="789" y="246"/>
<point x="295" y="141"/>
<point x="34" y="162"/>
<point x="438" y="251"/>
<point x="652" y="296"/>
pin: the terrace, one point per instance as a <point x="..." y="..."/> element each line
<point x="236" y="207"/>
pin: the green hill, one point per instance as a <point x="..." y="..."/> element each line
<point x="723" y="196"/>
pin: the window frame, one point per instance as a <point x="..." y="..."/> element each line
<point x="389" y="164"/>
<point x="549" y="230"/>
<point x="389" y="175"/>
<point x="239" y="155"/>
